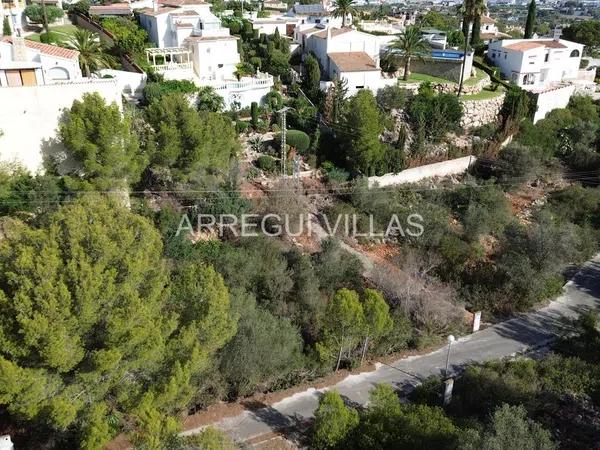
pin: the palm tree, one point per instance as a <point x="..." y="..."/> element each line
<point x="92" y="53"/>
<point x="410" y="44"/>
<point x="479" y="8"/>
<point x="343" y="8"/>
<point x="466" y="10"/>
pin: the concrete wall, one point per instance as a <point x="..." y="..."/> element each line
<point x="441" y="169"/>
<point x="554" y="99"/>
<point x="29" y="117"/>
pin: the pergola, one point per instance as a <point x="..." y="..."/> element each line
<point x="170" y="55"/>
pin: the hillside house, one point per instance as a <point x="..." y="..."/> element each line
<point x="193" y="45"/>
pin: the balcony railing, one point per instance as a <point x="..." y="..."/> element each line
<point x="172" y="66"/>
<point x="256" y="82"/>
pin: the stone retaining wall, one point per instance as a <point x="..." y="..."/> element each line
<point x="481" y="112"/>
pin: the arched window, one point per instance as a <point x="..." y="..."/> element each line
<point x="58" y="73"/>
<point x="575" y="54"/>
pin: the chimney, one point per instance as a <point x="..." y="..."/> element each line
<point x="155" y="5"/>
<point x="556" y="33"/>
<point x="19" y="49"/>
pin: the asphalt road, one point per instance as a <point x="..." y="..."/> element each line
<point x="533" y="330"/>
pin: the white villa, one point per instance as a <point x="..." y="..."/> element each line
<point x="536" y="64"/>
<point x="192" y="44"/>
<point x="547" y="67"/>
<point x="37" y="82"/>
<point x="29" y="63"/>
<point x="347" y="54"/>
<point x="489" y="31"/>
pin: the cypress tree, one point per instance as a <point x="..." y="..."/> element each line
<point x="6" y="31"/>
<point x="254" y="114"/>
<point x="530" y="23"/>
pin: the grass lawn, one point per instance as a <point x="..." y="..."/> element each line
<point x="479" y="75"/>
<point x="420" y="77"/>
<point x="62" y="31"/>
<point x="485" y="94"/>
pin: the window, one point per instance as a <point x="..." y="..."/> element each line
<point x="220" y="66"/>
<point x="529" y="79"/>
<point x="360" y="87"/>
<point x="575" y="54"/>
<point x="546" y="57"/>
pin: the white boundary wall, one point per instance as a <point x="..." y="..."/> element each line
<point x="29" y="117"/>
<point x="553" y="99"/>
<point x="414" y="174"/>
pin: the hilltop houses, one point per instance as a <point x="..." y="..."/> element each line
<point x="192" y="44"/>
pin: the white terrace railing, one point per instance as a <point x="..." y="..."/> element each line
<point x="172" y="66"/>
<point x="264" y="80"/>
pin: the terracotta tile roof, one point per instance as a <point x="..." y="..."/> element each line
<point x="151" y="12"/>
<point x="181" y="2"/>
<point x="186" y="13"/>
<point x="353" y="61"/>
<point x="530" y="44"/>
<point x="47" y="49"/>
<point x="523" y="46"/>
<point x="486" y="19"/>
<point x="334" y="32"/>
<point x="114" y="9"/>
<point x="497" y="35"/>
<point x="552" y="44"/>
<point x="308" y="31"/>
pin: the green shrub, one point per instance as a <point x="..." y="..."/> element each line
<point x="434" y="114"/>
<point x="81" y="7"/>
<point x="391" y="97"/>
<point x="297" y="139"/>
<point x="50" y="38"/>
<point x="266" y="163"/>
<point x="35" y="13"/>
<point x="241" y="126"/>
<point x="156" y="90"/>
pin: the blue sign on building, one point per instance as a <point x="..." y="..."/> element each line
<point x="446" y="54"/>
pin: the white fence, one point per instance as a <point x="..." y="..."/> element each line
<point x="441" y="169"/>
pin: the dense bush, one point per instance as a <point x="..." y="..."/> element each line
<point x="295" y="138"/>
<point x="130" y="38"/>
<point x="434" y="114"/>
<point x="266" y="163"/>
<point x="35" y="13"/>
<point x="154" y="91"/>
<point x="391" y="97"/>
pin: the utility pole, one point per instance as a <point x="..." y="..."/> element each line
<point x="283" y="112"/>
<point x="450" y="341"/>
<point x="448" y="381"/>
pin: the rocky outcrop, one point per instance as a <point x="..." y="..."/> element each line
<point x="481" y="112"/>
